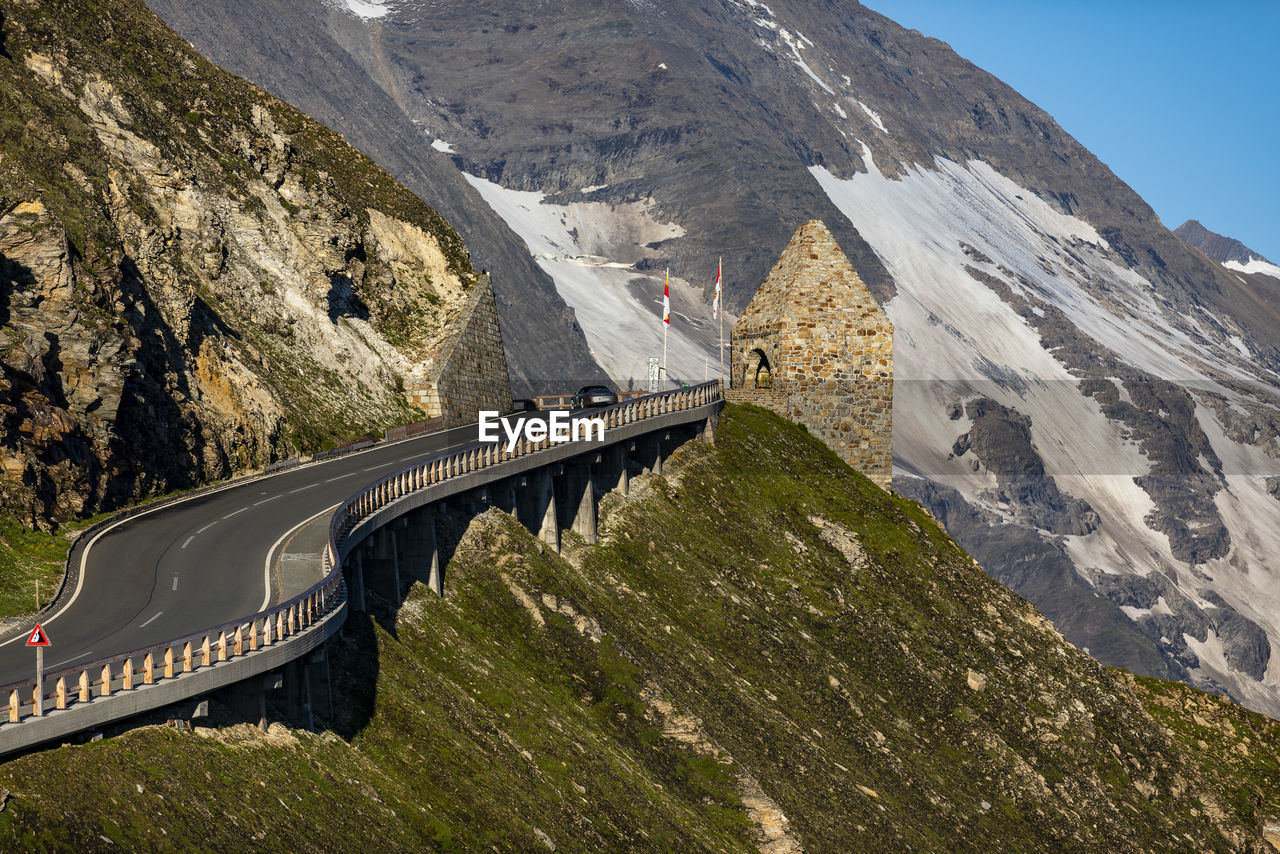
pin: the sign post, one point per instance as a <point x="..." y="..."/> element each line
<point x="39" y="640"/>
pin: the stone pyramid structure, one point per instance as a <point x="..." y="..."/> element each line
<point x="814" y="346"/>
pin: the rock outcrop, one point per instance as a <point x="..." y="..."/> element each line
<point x="194" y="277"/>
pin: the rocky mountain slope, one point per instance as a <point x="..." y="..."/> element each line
<point x="1227" y="251"/>
<point x="1042" y="310"/>
<point x="194" y="277"/>
<point x="765" y="652"/>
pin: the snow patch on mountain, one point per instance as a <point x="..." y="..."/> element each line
<point x="957" y="338"/>
<point x="871" y="114"/>
<point x="367" y="9"/>
<point x="590" y="250"/>
<point x="1255" y="265"/>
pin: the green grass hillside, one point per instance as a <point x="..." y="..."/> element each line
<point x="766" y="652"/>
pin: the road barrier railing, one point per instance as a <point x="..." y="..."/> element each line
<point x="292" y="623"/>
<point x="373" y="498"/>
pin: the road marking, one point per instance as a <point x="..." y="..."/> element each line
<point x="84" y="556"/>
<point x="341" y="476"/>
<point x="152" y="620"/>
<point x="299" y="489"/>
<point x="188" y="542"/>
<point x="229" y="515"/>
<point x="69" y="660"/>
<point x="266" y="568"/>
<point x="175" y="582"/>
<point x="265" y="500"/>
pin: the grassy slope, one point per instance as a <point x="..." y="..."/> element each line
<point x="26" y="557"/>
<point x="533" y="701"/>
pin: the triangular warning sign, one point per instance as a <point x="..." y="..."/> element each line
<point x="38" y="637"/>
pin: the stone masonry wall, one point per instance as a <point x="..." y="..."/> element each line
<point x="829" y="350"/>
<point x="473" y="374"/>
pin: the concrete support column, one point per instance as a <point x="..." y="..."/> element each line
<point x="709" y="428"/>
<point x="582" y="490"/>
<point x="393" y="534"/>
<point x="542" y="485"/>
<point x="357" y="578"/>
<point x="618" y="461"/>
<point x="431" y="554"/>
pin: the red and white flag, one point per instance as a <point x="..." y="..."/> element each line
<point x="666" y="300"/>
<point x="715" y="303"/>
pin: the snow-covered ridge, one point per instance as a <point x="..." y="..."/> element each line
<point x="1255" y="265"/>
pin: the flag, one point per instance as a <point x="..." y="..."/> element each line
<point x="715" y="303"/>
<point x="666" y="300"/>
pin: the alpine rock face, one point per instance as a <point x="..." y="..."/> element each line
<point x="1087" y="402"/>
<point x="195" y="278"/>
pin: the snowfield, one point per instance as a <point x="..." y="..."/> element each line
<point x="956" y="339"/>
<point x="590" y="250"/>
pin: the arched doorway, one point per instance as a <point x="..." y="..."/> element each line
<point x="759" y="374"/>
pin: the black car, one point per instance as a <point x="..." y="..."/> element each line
<point x="592" y="396"/>
<point x="524" y="404"/>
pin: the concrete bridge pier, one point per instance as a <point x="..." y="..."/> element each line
<point x="504" y="495"/>
<point x="707" y="432"/>
<point x="355" y="578"/>
<point x="582" y="499"/>
<point x="381" y="563"/>
<point x="650" y="451"/>
<point x="624" y="470"/>
<point x="420" y="554"/>
<point x="541" y="510"/>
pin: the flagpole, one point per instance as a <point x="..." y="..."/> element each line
<point x="720" y="312"/>
<point x="665" y="325"/>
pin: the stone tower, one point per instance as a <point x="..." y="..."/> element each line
<point x="814" y="346"/>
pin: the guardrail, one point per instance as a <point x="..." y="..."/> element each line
<point x="481" y="455"/>
<point x="192" y="654"/>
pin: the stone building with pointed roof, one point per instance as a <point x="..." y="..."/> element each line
<point x="814" y="346"/>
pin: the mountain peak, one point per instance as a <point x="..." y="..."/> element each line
<point x="1218" y="247"/>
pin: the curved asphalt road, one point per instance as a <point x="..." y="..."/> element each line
<point x="202" y="562"/>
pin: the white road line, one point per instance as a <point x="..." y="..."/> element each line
<point x="341" y="476"/>
<point x="152" y="620"/>
<point x="188" y="542"/>
<point x="229" y="515"/>
<point x="175" y="582"/>
<point x="265" y="500"/>
<point x="299" y="489"/>
<point x="371" y="468"/>
<point x="266" y="569"/>
<point x="57" y="664"/>
<point x="207" y="527"/>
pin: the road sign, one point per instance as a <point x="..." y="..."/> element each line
<point x="38" y="637"/>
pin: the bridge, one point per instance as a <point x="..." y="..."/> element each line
<point x="172" y="602"/>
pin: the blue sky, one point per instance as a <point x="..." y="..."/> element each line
<point x="1178" y="98"/>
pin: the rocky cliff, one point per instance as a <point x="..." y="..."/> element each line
<point x="194" y="277"/>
